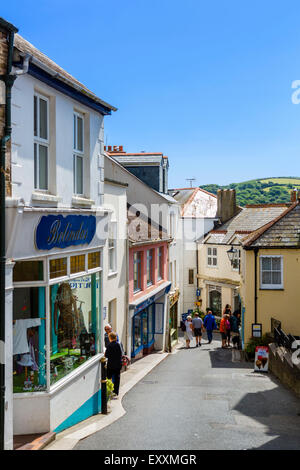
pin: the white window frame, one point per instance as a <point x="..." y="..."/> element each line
<point x="77" y="153"/>
<point x="212" y="256"/>
<point x="271" y="286"/>
<point x="137" y="261"/>
<point x="112" y="249"/>
<point x="37" y="141"/>
<point x="160" y="263"/>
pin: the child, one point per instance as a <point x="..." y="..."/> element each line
<point x="113" y="354"/>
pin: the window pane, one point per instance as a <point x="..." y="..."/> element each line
<point x="43" y="119"/>
<point x="209" y="261"/>
<point x="94" y="260"/>
<point x="209" y="251"/>
<point x="266" y="264"/>
<point x="276" y="264"/>
<point x="35" y="118"/>
<point x="35" y="167"/>
<point x="43" y="167"/>
<point x="79" y="175"/>
<point x="77" y="264"/>
<point x="276" y="277"/>
<point x="58" y="267"/>
<point x="215" y="251"/>
<point x="214" y="260"/>
<point x="266" y="277"/>
<point x="25" y="271"/>
<point x="79" y="134"/>
<point x="74" y="131"/>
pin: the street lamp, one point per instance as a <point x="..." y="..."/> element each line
<point x="231" y="255"/>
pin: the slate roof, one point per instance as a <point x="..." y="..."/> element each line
<point x="248" y="220"/>
<point x="138" y="229"/>
<point x="27" y="48"/>
<point x="282" y="232"/>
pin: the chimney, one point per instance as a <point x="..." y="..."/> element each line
<point x="226" y="204"/>
<point x="294" y="195"/>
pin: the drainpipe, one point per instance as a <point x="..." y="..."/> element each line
<point x="8" y="80"/>
<point x="255" y="284"/>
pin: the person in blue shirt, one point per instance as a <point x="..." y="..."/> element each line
<point x="210" y="325"/>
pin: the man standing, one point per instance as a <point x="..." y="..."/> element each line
<point x="197" y="327"/>
<point x="210" y="325"/>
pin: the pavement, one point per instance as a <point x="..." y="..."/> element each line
<point x="69" y="438"/>
<point x="194" y="399"/>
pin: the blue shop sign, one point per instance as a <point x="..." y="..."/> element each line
<point x="144" y="304"/>
<point x="57" y="231"/>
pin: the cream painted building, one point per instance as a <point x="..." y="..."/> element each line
<point x="271" y="291"/>
<point x="219" y="279"/>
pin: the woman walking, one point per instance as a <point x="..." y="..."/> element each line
<point x="188" y="334"/>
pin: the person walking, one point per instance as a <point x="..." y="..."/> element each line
<point x="113" y="354"/>
<point x="210" y="325"/>
<point x="188" y="334"/>
<point x="197" y="326"/>
<point x="234" y="327"/>
<point x="223" y="330"/>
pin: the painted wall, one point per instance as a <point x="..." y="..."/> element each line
<point x="283" y="305"/>
<point x="115" y="285"/>
<point x="144" y="289"/>
<point x="61" y="144"/>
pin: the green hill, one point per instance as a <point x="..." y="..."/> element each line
<point x="260" y="191"/>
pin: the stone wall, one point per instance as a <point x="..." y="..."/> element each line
<point x="281" y="365"/>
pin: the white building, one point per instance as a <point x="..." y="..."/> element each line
<point x="198" y="213"/>
<point x="57" y="230"/>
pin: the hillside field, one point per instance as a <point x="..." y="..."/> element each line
<point x="261" y="191"/>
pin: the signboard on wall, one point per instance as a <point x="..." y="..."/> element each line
<point x="57" y="231"/>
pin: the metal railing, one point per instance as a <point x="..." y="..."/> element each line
<point x="282" y="339"/>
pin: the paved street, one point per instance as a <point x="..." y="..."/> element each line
<point x="200" y="399"/>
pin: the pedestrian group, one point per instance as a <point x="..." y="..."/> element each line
<point x="229" y="328"/>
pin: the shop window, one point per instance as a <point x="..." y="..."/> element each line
<point x="137" y="339"/>
<point x="77" y="264"/>
<point x="29" y="340"/>
<point x="74" y="324"/>
<point x="94" y="260"/>
<point x="28" y="271"/>
<point x="58" y="267"/>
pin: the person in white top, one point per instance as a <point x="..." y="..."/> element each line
<point x="188" y="334"/>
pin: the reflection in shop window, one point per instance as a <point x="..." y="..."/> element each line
<point x="58" y="267"/>
<point x="29" y="340"/>
<point x="74" y="324"/>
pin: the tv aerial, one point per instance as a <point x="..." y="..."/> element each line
<point x="191" y="181"/>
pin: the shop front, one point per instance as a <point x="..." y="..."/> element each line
<point x="173" y="318"/>
<point x="148" y="323"/>
<point x="56" y="320"/>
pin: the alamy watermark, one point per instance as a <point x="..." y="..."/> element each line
<point x="296" y="354"/>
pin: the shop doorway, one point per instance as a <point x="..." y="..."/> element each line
<point x="215" y="299"/>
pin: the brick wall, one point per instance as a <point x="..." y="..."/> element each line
<point x="3" y="64"/>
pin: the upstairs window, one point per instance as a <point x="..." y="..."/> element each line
<point x="149" y="267"/>
<point x="41" y="141"/>
<point x="271" y="272"/>
<point x="78" y="153"/>
<point x="160" y="263"/>
<point x="137" y="258"/>
<point x="112" y="241"/>
<point x="212" y="257"/>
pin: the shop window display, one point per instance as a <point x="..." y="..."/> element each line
<point x="29" y="351"/>
<point x="74" y="324"/>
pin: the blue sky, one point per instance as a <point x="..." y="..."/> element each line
<point x="206" y="83"/>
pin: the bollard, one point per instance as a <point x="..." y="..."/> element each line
<point x="103" y="386"/>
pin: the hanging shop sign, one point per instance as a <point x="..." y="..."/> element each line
<point x="261" y="361"/>
<point x="57" y="231"/>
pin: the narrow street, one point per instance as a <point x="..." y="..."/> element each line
<point x="199" y="399"/>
